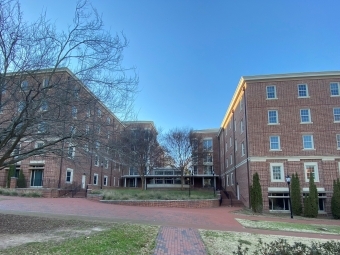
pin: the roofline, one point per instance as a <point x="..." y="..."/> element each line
<point x="140" y="122"/>
<point x="67" y="70"/>
<point x="211" y="130"/>
<point x="244" y="79"/>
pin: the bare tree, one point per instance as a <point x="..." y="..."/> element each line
<point x="141" y="150"/>
<point x="179" y="144"/>
<point x="46" y="108"/>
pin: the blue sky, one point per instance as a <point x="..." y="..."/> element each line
<point x="191" y="54"/>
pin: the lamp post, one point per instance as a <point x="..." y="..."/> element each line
<point x="213" y="172"/>
<point x="290" y="201"/>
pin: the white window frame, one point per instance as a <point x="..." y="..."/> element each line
<point x="36" y="145"/>
<point x="226" y="147"/>
<point x="99" y="113"/>
<point x="338" y="89"/>
<point x="106" y="163"/>
<point x="108" y="120"/>
<point x="276" y="116"/>
<point x="235" y="145"/>
<point x="227" y="179"/>
<point x="207" y="148"/>
<point x="42" y="127"/>
<point x="241" y="104"/>
<point x="232" y="179"/>
<point x="105" y="180"/>
<point x="24" y="85"/>
<point x="95" y="179"/>
<point x="74" y="112"/>
<point x="243" y="151"/>
<point x="71" y="154"/>
<point x="96" y="160"/>
<point x="241" y="126"/>
<point x="271" y="143"/>
<point x="282" y="173"/>
<point x="230" y="142"/>
<point x="231" y="159"/>
<point x="303" y="142"/>
<point x="316" y="171"/>
<point x="267" y="93"/>
<point x="226" y="162"/>
<point x="44" y="106"/>
<point x="307" y="93"/>
<point x="45" y="82"/>
<point x="87" y="129"/>
<point x="69" y="170"/>
<point x="338" y="141"/>
<point x="336" y="116"/>
<point x="309" y="116"/>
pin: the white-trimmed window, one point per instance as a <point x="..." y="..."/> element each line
<point x="241" y="126"/>
<point x="96" y="160"/>
<point x="74" y="112"/>
<point x="21" y="106"/>
<point x="311" y="168"/>
<point x="45" y="82"/>
<point x="232" y="178"/>
<point x="231" y="159"/>
<point x="273" y="117"/>
<point x="274" y="143"/>
<point x="235" y="126"/>
<point x="39" y="144"/>
<point x="338" y="141"/>
<point x="271" y="92"/>
<point x="44" y="106"/>
<point x="97" y="144"/>
<point x="334" y="88"/>
<point x="336" y="114"/>
<point x="241" y="104"/>
<point x="71" y="151"/>
<point x="86" y="147"/>
<point x="226" y="147"/>
<point x="108" y="120"/>
<point x="207" y="158"/>
<point x="24" y="85"/>
<point x="69" y="175"/>
<point x="207" y="144"/>
<point x="302" y="90"/>
<point x="230" y="142"/>
<point x="105" y="180"/>
<point x="88" y="112"/>
<point x="95" y="179"/>
<point x="42" y="127"/>
<point x="87" y="129"/>
<point x="106" y="164"/>
<point x="308" y="142"/>
<point x="228" y="180"/>
<point x="99" y="113"/>
<point x="235" y="145"/>
<point x="243" y="151"/>
<point x="226" y="162"/>
<point x="305" y="116"/>
<point x="277" y="172"/>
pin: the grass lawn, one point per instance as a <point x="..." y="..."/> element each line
<point x="138" y="194"/>
<point x="287" y="226"/>
<point x="120" y="239"/>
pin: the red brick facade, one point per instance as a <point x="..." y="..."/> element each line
<point x="283" y="134"/>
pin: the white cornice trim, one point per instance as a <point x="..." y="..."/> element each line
<point x="293" y="158"/>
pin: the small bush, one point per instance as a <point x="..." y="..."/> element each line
<point x="21" y="183"/>
<point x="335" y="202"/>
<point x="283" y="248"/>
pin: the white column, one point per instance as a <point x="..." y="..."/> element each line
<point x="135" y="181"/>
<point x="114" y="181"/>
<point x="125" y="182"/>
<point x="202" y="182"/>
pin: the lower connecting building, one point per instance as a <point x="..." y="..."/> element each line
<point x="277" y="125"/>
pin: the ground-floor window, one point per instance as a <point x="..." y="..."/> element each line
<point x="37" y="174"/>
<point x="105" y="180"/>
<point x="278" y="201"/>
<point x="69" y="175"/>
<point x="321" y="201"/>
<point x="95" y="179"/>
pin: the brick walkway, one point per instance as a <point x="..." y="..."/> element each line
<point x="175" y="241"/>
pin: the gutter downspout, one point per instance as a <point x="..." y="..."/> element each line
<point x="235" y="183"/>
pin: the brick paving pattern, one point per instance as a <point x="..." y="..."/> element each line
<point x="178" y="241"/>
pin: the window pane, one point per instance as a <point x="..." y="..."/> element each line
<point x="271" y="92"/>
<point x="336" y="113"/>
<point x="302" y="90"/>
<point x="276" y="173"/>
<point x="272" y="116"/>
<point x="307" y="142"/>
<point x="304" y="114"/>
<point x="334" y="89"/>
<point x="274" y="143"/>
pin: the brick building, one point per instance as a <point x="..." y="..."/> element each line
<point x="72" y="140"/>
<point x="278" y="125"/>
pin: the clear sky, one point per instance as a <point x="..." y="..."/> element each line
<point x="190" y="54"/>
